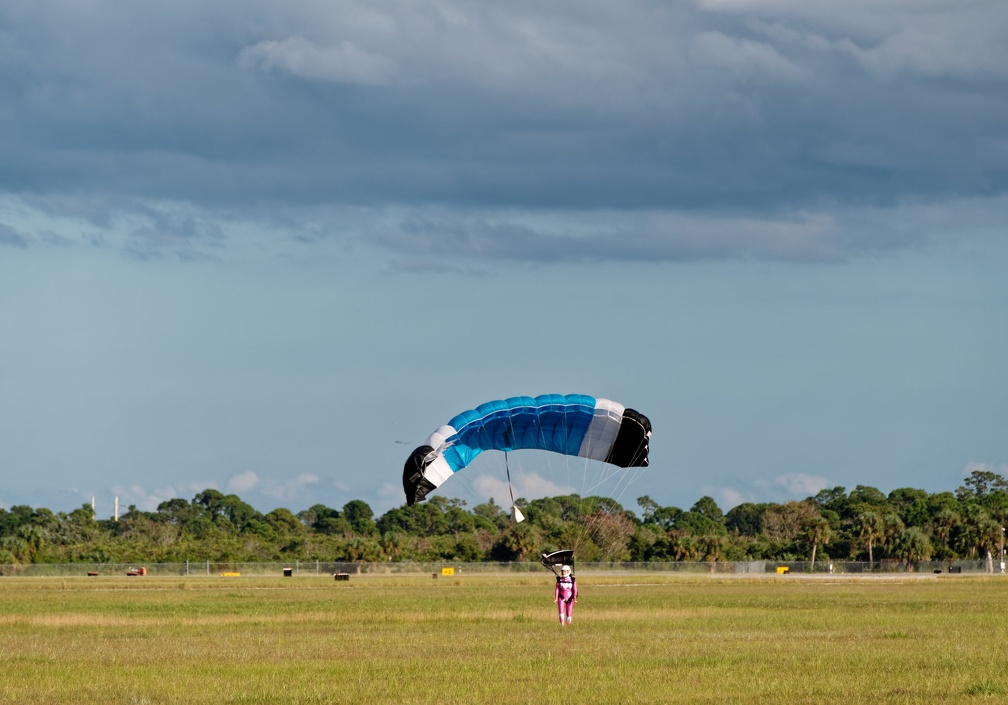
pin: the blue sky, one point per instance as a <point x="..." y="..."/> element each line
<point x="268" y="249"/>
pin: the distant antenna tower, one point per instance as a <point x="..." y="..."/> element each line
<point x="117" y="508"/>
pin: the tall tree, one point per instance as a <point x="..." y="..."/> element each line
<point x="360" y="516"/>
<point x="787" y="522"/>
<point x="979" y="484"/>
<point x="817" y="531"/>
<point x="744" y="519"/>
<point x="871" y="530"/>
<point x="912" y="545"/>
<point x="943" y="525"/>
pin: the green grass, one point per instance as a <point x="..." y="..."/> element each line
<point x="641" y="638"/>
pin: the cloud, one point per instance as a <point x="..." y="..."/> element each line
<point x="745" y="59"/>
<point x="976" y="466"/>
<point x="726" y="497"/>
<point x="529" y="485"/>
<point x="799" y="485"/>
<point x="12" y="238"/>
<point x="248" y="485"/>
<point x="783" y="488"/>
<point x="644" y="236"/>
<point x="657" y="131"/>
<point x="390" y="494"/>
<point x="294" y="489"/>
<point x="144" y="499"/>
<point x="935" y="49"/>
<point x="340" y="62"/>
<point x="167" y="229"/>
<point x="437" y="240"/>
<point x="243" y="483"/>
<point x="429" y="266"/>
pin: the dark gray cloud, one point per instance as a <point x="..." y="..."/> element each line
<point x="11" y="237"/>
<point x="743" y="110"/>
<point x="654" y="236"/>
<point x="189" y="239"/>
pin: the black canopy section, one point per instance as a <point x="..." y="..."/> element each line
<point x="414" y="483"/>
<point x="631" y="447"/>
<point x="554" y="560"/>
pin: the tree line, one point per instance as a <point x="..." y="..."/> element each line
<point x="907" y="525"/>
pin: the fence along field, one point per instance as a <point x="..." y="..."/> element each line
<point x="636" y="638"/>
<point x="307" y="568"/>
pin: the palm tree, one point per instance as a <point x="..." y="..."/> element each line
<point x="870" y="530"/>
<point x="16" y="548"/>
<point x="34" y="538"/>
<point x="942" y="526"/>
<point x="686" y="547"/>
<point x="711" y="547"/>
<point x="912" y="545"/>
<point x="979" y="532"/>
<point x="990" y="534"/>
<point x="892" y="526"/>
<point x="817" y="531"/>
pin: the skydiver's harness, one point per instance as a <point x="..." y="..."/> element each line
<point x="573" y="580"/>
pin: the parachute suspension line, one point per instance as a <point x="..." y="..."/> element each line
<point x="584" y="529"/>
<point x="508" y="470"/>
<point x="592" y="480"/>
<point x="516" y="515"/>
<point x="581" y="532"/>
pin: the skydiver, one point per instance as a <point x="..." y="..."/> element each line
<point x="565" y="594"/>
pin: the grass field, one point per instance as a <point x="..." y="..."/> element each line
<point x="494" y="639"/>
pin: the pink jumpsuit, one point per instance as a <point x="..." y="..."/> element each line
<point x="565" y="595"/>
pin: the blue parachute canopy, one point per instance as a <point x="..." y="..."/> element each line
<point x="574" y="424"/>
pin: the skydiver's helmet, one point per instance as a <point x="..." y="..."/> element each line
<point x="565" y="570"/>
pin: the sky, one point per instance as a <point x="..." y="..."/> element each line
<point x="267" y="248"/>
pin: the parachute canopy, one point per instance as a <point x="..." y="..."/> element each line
<point x="558" y="559"/>
<point x="574" y="424"/>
